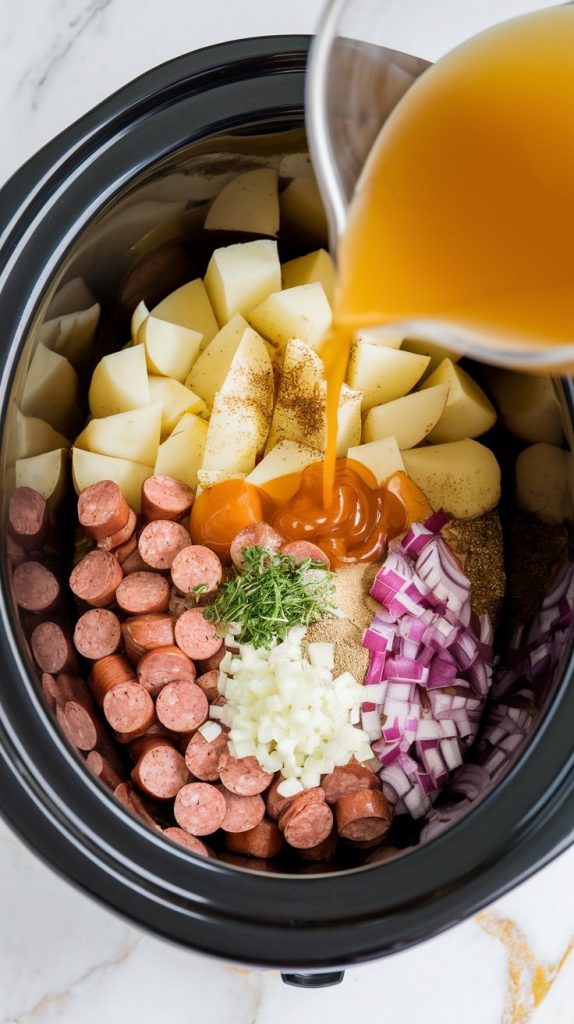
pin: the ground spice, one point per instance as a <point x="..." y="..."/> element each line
<point x="478" y="543"/>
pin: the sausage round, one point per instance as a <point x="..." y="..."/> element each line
<point x="102" y="509"/>
<point x="196" y="636"/>
<point x="183" y="838"/>
<point x="28" y="518"/>
<point x="160" y="770"/>
<point x="128" y="796"/>
<point x="242" y="813"/>
<point x="363" y="816"/>
<point x="97" y="634"/>
<point x="160" y="541"/>
<point x="307" y="820"/>
<point x="164" y="497"/>
<point x="301" y="550"/>
<point x="265" y="840"/>
<point x="143" y="633"/>
<point x="128" y="709"/>
<point x="50" y="690"/>
<point x="120" y="537"/>
<point x="52" y="648"/>
<point x="323" y="851"/>
<point x="208" y="682"/>
<point x="36" y="589"/>
<point x="164" y="665"/>
<point x="102" y="769"/>
<point x="128" y="555"/>
<point x="276" y="803"/>
<point x="108" y="672"/>
<point x="202" y="756"/>
<point x="143" y="593"/>
<point x="196" y="566"/>
<point x="346" y="779"/>
<point x="96" y="578"/>
<point x="182" y="706"/>
<point x="258" y="534"/>
<point x="199" y="808"/>
<point x="208" y="664"/>
<point x="244" y="775"/>
<point x="76" y="713"/>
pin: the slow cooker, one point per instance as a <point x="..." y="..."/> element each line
<point x="95" y="203"/>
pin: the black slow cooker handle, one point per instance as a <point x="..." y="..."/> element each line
<point x="314" y="980"/>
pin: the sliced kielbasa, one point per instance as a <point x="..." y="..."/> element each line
<point x="97" y="634"/>
<point x="257" y="535"/>
<point x="196" y="566"/>
<point x="143" y="593"/>
<point x="164" y="497"/>
<point x="199" y="808"/>
<point x="264" y="840"/>
<point x="163" y="665"/>
<point x="196" y="636"/>
<point x="243" y="775"/>
<point x="96" y="578"/>
<point x="28" y="518"/>
<point x="160" y="541"/>
<point x="363" y="816"/>
<point x="160" y="770"/>
<point x="182" y="706"/>
<point x="102" y="509"/>
<point x="301" y="550"/>
<point x="35" y="588"/>
<point x="202" y="756"/>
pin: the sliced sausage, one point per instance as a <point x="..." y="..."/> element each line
<point x="196" y="636"/>
<point x="301" y="550"/>
<point x="163" y="665"/>
<point x="242" y="813"/>
<point x="160" y="541"/>
<point x="35" y="587"/>
<point x="97" y="634"/>
<point x="120" y="537"/>
<point x="182" y="706"/>
<point x="160" y="770"/>
<point x="77" y="715"/>
<point x="50" y="690"/>
<point x="276" y="803"/>
<point x="199" y="808"/>
<point x="346" y="779"/>
<point x="243" y="775"/>
<point x="196" y="566"/>
<point x="28" y="518"/>
<point x="164" y="497"/>
<point x="102" y="509"/>
<point x="258" y="534"/>
<point x="52" y="648"/>
<point x="128" y="709"/>
<point x="128" y="796"/>
<point x="102" y="769"/>
<point x="108" y="672"/>
<point x="208" y="682"/>
<point x="265" y="840"/>
<point x="143" y="593"/>
<point x="323" y="851"/>
<point x="307" y="820"/>
<point x="143" y="633"/>
<point x="183" y="838"/>
<point x="128" y="555"/>
<point x="208" y="664"/>
<point x="363" y="816"/>
<point x="202" y="756"/>
<point x="96" y="578"/>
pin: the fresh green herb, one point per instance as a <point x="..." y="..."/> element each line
<point x="199" y="589"/>
<point x="273" y="593"/>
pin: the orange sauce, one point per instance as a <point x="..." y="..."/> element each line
<point x="464" y="213"/>
<point x="220" y="512"/>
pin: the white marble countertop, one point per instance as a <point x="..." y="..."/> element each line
<point x="64" y="959"/>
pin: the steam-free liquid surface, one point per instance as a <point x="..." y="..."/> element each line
<point x="464" y="213"/>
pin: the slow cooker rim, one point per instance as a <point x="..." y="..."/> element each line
<point x="320" y="881"/>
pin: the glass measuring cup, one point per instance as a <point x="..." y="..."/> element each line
<point x="366" y="57"/>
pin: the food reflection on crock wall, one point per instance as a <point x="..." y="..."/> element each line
<point x="254" y="674"/>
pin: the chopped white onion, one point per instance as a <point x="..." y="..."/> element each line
<point x="210" y="730"/>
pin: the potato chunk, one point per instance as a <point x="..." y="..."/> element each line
<point x="463" y="477"/>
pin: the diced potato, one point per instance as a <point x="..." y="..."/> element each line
<point x="189" y="306"/>
<point x="249" y="202"/>
<point x="241" y="276"/>
<point x="170" y="349"/>
<point x="211" y="368"/>
<point x="234" y="435"/>
<point x="316" y="266"/>
<point x="463" y="477"/>
<point x="132" y="435"/>
<point x="528" y="405"/>
<point x="348" y="420"/>
<point x="176" y="399"/>
<point x="467" y="413"/>
<point x="300" y="406"/>
<point x="544" y="481"/>
<point x="436" y="353"/>
<point x="34" y="437"/>
<point x="382" y="457"/>
<point x="387" y="336"/>
<point x="88" y="468"/>
<point x="301" y="312"/>
<point x="46" y="473"/>
<point x="250" y="378"/>
<point x="302" y="212"/>
<point x="383" y="373"/>
<point x="181" y="454"/>
<point x="409" y="418"/>
<point x="285" y="459"/>
<point x="52" y="390"/>
<point x="139" y="315"/>
<point x="120" y="383"/>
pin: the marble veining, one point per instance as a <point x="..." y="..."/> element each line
<point x="64" y="959"/>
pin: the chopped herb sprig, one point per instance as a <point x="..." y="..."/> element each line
<point x="273" y="593"/>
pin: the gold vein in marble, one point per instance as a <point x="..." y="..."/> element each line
<point x="529" y="980"/>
